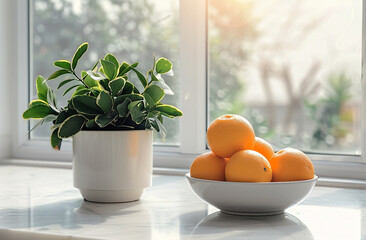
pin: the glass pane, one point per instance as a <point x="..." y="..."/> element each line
<point x="132" y="30"/>
<point x="292" y="68"/>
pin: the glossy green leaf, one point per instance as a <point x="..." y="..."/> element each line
<point x="58" y="73"/>
<point x="155" y="125"/>
<point x="136" y="112"/>
<point x="109" y="69"/>
<point x="86" y="105"/>
<point x="128" y="88"/>
<point x="155" y="92"/>
<point x="116" y="86"/>
<point x="65" y="82"/>
<point x="105" y="101"/>
<point x="123" y="108"/>
<point x="38" y="102"/>
<point x="38" y="111"/>
<point x="103" y="120"/>
<point x="55" y="140"/>
<point x="42" y="88"/>
<point x="61" y="117"/>
<point x="91" y="124"/>
<point x="90" y="82"/>
<point x="51" y="97"/>
<point x="109" y="57"/>
<point x="71" y="126"/>
<point x="163" y="65"/>
<point x="104" y="84"/>
<point x="169" y="111"/>
<point x="149" y="100"/>
<point x="126" y="68"/>
<point x="140" y="77"/>
<point x="63" y="64"/>
<point x="79" y="52"/>
<point x="133" y="96"/>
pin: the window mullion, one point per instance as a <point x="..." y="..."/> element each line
<point x="193" y="74"/>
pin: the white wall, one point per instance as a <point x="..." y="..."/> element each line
<point x="8" y="73"/>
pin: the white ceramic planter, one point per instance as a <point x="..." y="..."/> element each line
<point x="112" y="166"/>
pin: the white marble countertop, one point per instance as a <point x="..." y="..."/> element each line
<point x="41" y="203"/>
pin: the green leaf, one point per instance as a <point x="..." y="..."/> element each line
<point x="61" y="117"/>
<point x="91" y="124"/>
<point x="96" y="90"/>
<point x="103" y="120"/>
<point x="109" y="57"/>
<point x="51" y="97"/>
<point x="90" y="82"/>
<point x="42" y="88"/>
<point x="169" y="111"/>
<point x="150" y="102"/>
<point x="155" y="92"/>
<point x="133" y="96"/>
<point x="70" y="88"/>
<point x="38" y="111"/>
<point x="136" y="112"/>
<point x="126" y="68"/>
<point x="86" y="105"/>
<point x="160" y="118"/>
<point x="116" y="86"/>
<point x="163" y="65"/>
<point x="105" y="101"/>
<point x="58" y="73"/>
<point x="65" y="82"/>
<point x="38" y="102"/>
<point x="104" y="84"/>
<point x="55" y="140"/>
<point x="133" y="104"/>
<point x="63" y="64"/>
<point x="123" y="108"/>
<point x="128" y="88"/>
<point x="71" y="126"/>
<point x="140" y="77"/>
<point x="155" y="125"/>
<point x="80" y="92"/>
<point x="109" y="69"/>
<point x="79" y="52"/>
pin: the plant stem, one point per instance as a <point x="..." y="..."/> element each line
<point x="73" y="72"/>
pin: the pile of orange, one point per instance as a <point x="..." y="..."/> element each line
<point x="239" y="156"/>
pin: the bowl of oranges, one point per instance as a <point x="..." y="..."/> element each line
<point x="243" y="175"/>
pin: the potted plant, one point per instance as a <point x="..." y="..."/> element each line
<point x="111" y="123"/>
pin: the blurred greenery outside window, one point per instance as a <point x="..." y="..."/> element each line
<point x="292" y="68"/>
<point x="133" y="30"/>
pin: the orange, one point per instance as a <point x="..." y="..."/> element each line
<point x="248" y="166"/>
<point x="263" y="147"/>
<point x="228" y="134"/>
<point x="291" y="164"/>
<point x="209" y="166"/>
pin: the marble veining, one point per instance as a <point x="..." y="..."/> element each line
<point x="41" y="203"/>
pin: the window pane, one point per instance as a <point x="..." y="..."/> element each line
<point x="131" y="30"/>
<point x="292" y="68"/>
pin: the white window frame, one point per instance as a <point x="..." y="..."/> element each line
<point x="193" y="79"/>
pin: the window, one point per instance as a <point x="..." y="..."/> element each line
<point x="131" y="30"/>
<point x="293" y="68"/>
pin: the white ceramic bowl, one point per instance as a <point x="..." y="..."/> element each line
<point x="243" y="198"/>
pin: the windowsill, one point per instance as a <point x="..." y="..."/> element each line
<point x="41" y="203"/>
<point x="181" y="171"/>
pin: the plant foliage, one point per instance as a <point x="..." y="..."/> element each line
<point x="103" y="98"/>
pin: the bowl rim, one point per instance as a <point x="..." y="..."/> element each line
<point x="188" y="176"/>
